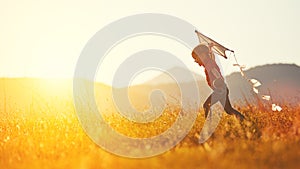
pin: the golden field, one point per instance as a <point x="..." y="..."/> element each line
<point x="39" y="129"/>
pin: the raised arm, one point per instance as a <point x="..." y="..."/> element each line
<point x="210" y="46"/>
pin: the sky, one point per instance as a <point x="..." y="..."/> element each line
<point x="45" y="38"/>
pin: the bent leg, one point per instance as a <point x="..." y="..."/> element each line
<point x="230" y="110"/>
<point x="208" y="103"/>
<point x="206" y="106"/>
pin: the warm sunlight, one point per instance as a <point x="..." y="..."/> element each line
<point x="153" y="101"/>
<point x="128" y="47"/>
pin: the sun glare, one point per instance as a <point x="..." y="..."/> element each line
<point x="56" y="86"/>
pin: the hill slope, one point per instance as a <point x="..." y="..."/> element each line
<point x="281" y="81"/>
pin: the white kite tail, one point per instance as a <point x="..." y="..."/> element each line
<point x="255" y="83"/>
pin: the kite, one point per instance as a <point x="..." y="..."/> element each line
<point x="221" y="50"/>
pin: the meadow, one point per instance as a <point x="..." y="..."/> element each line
<point x="47" y="134"/>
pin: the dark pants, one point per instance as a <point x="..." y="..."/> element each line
<point x="224" y="100"/>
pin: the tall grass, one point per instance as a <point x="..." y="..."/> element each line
<point x="44" y="139"/>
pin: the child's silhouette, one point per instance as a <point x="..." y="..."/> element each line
<point x="204" y="56"/>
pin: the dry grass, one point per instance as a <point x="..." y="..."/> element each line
<point x="39" y="139"/>
<point x="267" y="140"/>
